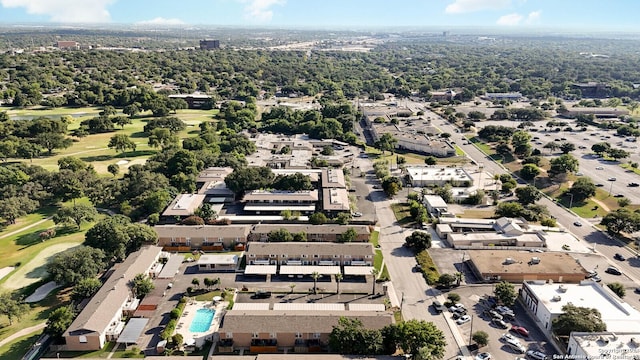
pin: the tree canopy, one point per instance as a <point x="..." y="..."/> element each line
<point x="577" y="319"/>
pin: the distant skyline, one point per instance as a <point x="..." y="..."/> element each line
<point x="593" y="15"/>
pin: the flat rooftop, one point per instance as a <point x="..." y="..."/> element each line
<point x="426" y="173"/>
<point x="618" y="315"/>
<point x="594" y="345"/>
<point x="495" y="237"/>
<point x="493" y="262"/>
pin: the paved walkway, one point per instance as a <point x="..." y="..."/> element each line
<point x="23" y="332"/>
<point x="24" y="228"/>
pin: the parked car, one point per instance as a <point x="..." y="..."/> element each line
<point x="591" y="274"/>
<point x="611" y="179"/>
<point x="520" y="330"/>
<point x="599" y="185"/>
<point x="613" y="270"/>
<point x="499" y="323"/>
<point x="536" y="355"/>
<point x="438" y="307"/>
<point x="618" y="195"/>
<point x="457" y="308"/>
<point x="517" y="347"/>
<point x="463" y="319"/>
<point x="483" y="356"/>
<point x="637" y="290"/>
<point x="261" y="294"/>
<point x="599" y="168"/>
<point x="508" y="337"/>
<point x="494" y="315"/>
<point x="596" y="278"/>
<point x="619" y="257"/>
<point x="634" y="184"/>
<point x="566" y="247"/>
<point x="577" y="223"/>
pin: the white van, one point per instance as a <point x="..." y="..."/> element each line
<point x="516" y="346"/>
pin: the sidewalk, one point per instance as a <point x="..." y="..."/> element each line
<point x="22" y="333"/>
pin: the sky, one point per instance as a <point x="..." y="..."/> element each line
<point x="603" y="15"/>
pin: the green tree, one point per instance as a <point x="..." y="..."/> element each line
<point x="567" y="147"/>
<point x="528" y="195"/>
<point x="529" y="171"/>
<point x="75" y="214"/>
<point x="618" y="289"/>
<point x="446" y="280"/>
<point x="351" y="337"/>
<point x="624" y="202"/>
<point x="117" y="236"/>
<point x="206" y="212"/>
<point x="583" y="188"/>
<point x="71" y="266"/>
<point x="113" y="169"/>
<point x="418" y="241"/>
<point x="131" y="110"/>
<point x="430" y="160"/>
<point x="548" y="222"/>
<point x="59" y="320"/>
<point x="349" y="235"/>
<point x="317" y="218"/>
<point x="280" y="235"/>
<point x="315" y="276"/>
<point x="415" y="337"/>
<point x="577" y="319"/>
<point x="453" y="297"/>
<point x="445" y="193"/>
<point x="601" y="148"/>
<point x="14" y="207"/>
<point x="520" y="140"/>
<point x="509" y="209"/>
<point x="481" y="338"/>
<point x="618" y="154"/>
<point x="505" y="293"/>
<point x="12" y="308"/>
<point x="621" y="220"/>
<point x="121" y="142"/>
<point x="85" y="288"/>
<point x="195" y="282"/>
<point x="162" y="137"/>
<point x="141" y="285"/>
<point x="391" y="185"/>
<point x="563" y="164"/>
<point x="386" y="142"/>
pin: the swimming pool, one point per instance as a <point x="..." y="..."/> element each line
<point x="202" y="320"/>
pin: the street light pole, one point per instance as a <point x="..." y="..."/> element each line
<point x="471" y="331"/>
<point x="571" y="201"/>
<point x="611" y="187"/>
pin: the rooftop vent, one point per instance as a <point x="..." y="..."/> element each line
<point x="562" y="289"/>
<point x="556" y="298"/>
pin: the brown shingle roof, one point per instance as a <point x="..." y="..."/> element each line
<point x="250" y="321"/>
<point x="203" y="231"/>
<point x="102" y="307"/>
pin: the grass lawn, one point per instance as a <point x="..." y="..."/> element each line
<point x="99" y="354"/>
<point x="484" y="147"/>
<point x="374" y="238"/>
<point x="94" y="148"/>
<point x="377" y="259"/>
<point x="459" y="151"/>
<point x="628" y="167"/>
<point x="28" y="220"/>
<point x="477" y="214"/>
<point x="401" y="211"/>
<point x="17" y="348"/>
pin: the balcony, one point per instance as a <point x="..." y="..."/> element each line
<point x="294" y="262"/>
<point x="261" y="262"/>
<point x="358" y="263"/>
<point x="225" y="346"/>
<point x="325" y="262"/>
<point x="307" y="346"/>
<point x="263" y="346"/>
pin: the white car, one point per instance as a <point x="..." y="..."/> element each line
<point x="483" y="356"/>
<point x="599" y="168"/>
<point x="463" y="319"/>
<point x="356" y="214"/>
<point x="508" y="337"/>
<point x="457" y="307"/>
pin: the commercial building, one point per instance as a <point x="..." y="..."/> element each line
<point x="217" y="262"/>
<point x="597" y="345"/>
<point x="502" y="233"/>
<point x="101" y="319"/>
<point x="595" y="111"/>
<point x="291" y="331"/>
<point x="194" y="101"/>
<point x="424" y="176"/>
<point x="183" y="206"/>
<point x="447" y="95"/>
<point x="592" y="89"/>
<point x="435" y="205"/>
<point x="279" y="151"/>
<point x="210" y="182"/>
<point x="276" y="201"/>
<point x="68" y="45"/>
<point x="545" y="300"/>
<point x="513" y="96"/>
<point x="412" y="133"/>
<point x="518" y="266"/>
<point x="207" y="44"/>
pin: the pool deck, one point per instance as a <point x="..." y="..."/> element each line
<point x="189" y="314"/>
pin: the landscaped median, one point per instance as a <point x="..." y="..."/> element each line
<point x="428" y="267"/>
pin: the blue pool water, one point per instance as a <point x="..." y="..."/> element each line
<point x="202" y="321"/>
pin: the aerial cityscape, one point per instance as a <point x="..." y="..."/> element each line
<point x="278" y="179"/>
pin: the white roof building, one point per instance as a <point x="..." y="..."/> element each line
<point x="546" y="301"/>
<point x="437" y="176"/>
<point x="603" y="345"/>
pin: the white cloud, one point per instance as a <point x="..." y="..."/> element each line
<point x="467" y="6"/>
<point x="260" y="10"/>
<point x="94" y="11"/>
<point x="534" y="17"/>
<point x="510" y="19"/>
<point x="162" y="21"/>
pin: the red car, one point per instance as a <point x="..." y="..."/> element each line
<point x="520" y="330"/>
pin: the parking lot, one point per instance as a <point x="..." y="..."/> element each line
<point x="472" y="297"/>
